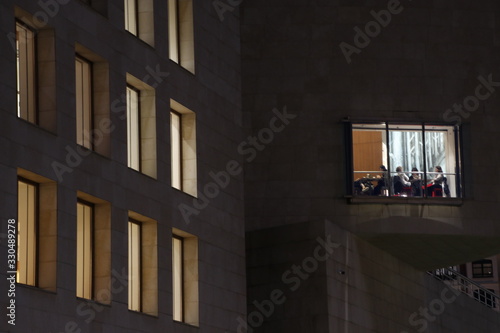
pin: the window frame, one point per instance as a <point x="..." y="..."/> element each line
<point x="139" y="134"/>
<point x="174" y="55"/>
<point x="132" y="221"/>
<point x="182" y="283"/>
<point x="31" y="109"/>
<point x="482" y="263"/>
<point x="90" y="101"/>
<point x="36" y="226"/>
<point x="349" y="165"/>
<point x="179" y="162"/>
<point x="136" y="16"/>
<point x="92" y="249"/>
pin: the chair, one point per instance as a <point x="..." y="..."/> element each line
<point x="437" y="191"/>
<point x="398" y="185"/>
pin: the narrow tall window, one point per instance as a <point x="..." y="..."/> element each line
<point x="177" y="278"/>
<point x="183" y="148"/>
<point x="181" y="33"/>
<point x="83" y="89"/>
<point x="25" y="49"/>
<point x="131" y="16"/>
<point x="185" y="277"/>
<point x="173" y="30"/>
<point x="133" y="128"/>
<point x="176" y="150"/>
<point x="36" y="230"/>
<point x="141" y="126"/>
<point x="134" y="266"/>
<point x="84" y="249"/>
<point x="27" y="232"/>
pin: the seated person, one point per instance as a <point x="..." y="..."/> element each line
<point x="381" y="182"/>
<point x="416" y="183"/>
<point x="437" y="182"/>
<point x="400" y="180"/>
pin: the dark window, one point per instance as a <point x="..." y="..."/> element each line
<point x="482" y="268"/>
<point x="486" y="298"/>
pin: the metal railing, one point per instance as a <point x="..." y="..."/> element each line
<point x="467" y="286"/>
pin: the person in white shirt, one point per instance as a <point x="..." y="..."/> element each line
<point x="404" y="178"/>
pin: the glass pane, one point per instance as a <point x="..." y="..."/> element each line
<point x="173" y="33"/>
<point x="441" y="161"/>
<point x="133" y="134"/>
<point x="83" y="102"/>
<point x="177" y="278"/>
<point x="175" y="130"/>
<point x="25" y="50"/>
<point x="131" y="16"/>
<point x="134" y="266"/>
<point x="369" y="159"/>
<point x="84" y="251"/>
<point x="26" y="233"/>
<point x="406" y="160"/>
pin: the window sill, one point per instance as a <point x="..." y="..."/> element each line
<point x="185" y="324"/>
<point x="143" y="314"/>
<point x="405" y="200"/>
<point x="30" y="287"/>
<point x="93" y="301"/>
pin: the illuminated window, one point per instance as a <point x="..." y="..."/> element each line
<point x="142" y="265"/>
<point x="177" y="278"/>
<point x="84" y="252"/>
<point x="131" y="16"/>
<point x="134" y="266"/>
<point x="175" y="121"/>
<point x="27" y="239"/>
<point x="133" y="129"/>
<point x="83" y="89"/>
<point x="185" y="277"/>
<point x="36" y="231"/>
<point x="183" y="148"/>
<point x="405" y="160"/>
<point x="25" y="48"/>
<point x="181" y="33"/>
<point x="141" y="126"/>
<point x="139" y="19"/>
<point x="93" y="248"/>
